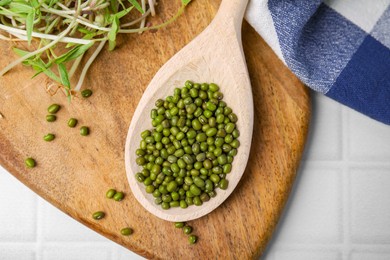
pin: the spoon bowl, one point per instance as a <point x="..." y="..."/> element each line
<point x="216" y="56"/>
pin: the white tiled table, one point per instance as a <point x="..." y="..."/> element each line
<point x="339" y="207"/>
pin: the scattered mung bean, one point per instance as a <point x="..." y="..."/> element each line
<point x="54" y="108"/>
<point x="126" y="231"/>
<point x="84" y="131"/>
<point x="30" y="162"/>
<point x="72" y="122"/>
<point x="86" y="93"/>
<point x="110" y="193"/>
<point x="98" y="215"/>
<point x="49" y="137"/>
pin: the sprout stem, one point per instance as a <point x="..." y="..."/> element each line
<point x="31" y="54"/>
<point x="172" y="19"/>
<point x="143" y="6"/>
<point x="88" y="64"/>
<point x="20" y="32"/>
<point x="151" y="6"/>
<point x="75" y="65"/>
<point x="137" y="20"/>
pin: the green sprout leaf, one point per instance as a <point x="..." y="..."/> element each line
<point x="185" y="2"/>
<point x="34" y="3"/>
<point x="124" y="12"/>
<point x="64" y="75"/>
<point x="20" y="7"/>
<point x="74" y="53"/>
<point x="112" y="33"/>
<point x="114" y="5"/>
<point x="30" y="25"/>
<point x="41" y="67"/>
<point x="65" y="79"/>
<point x="137" y="6"/>
<point x="20" y="52"/>
<point x="51" y="2"/>
<point x="38" y="65"/>
<point x="4" y="2"/>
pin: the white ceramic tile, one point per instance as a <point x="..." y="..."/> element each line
<point x="125" y="254"/>
<point x="58" y="226"/>
<point x="370" y="200"/>
<point x="76" y="252"/>
<point x="17" y="214"/>
<point x="361" y="255"/>
<point x="324" y="140"/>
<point x="307" y="254"/>
<point x="369" y="140"/>
<point x="16" y="252"/>
<point x="314" y="211"/>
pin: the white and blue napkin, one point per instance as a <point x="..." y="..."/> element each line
<point x="340" y="48"/>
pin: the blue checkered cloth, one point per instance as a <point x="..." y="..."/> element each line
<point x="340" y="48"/>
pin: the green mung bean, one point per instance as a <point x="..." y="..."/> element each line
<point x="98" y="215"/>
<point x="179" y="224"/>
<point x="49" y="137"/>
<point x="84" y="131"/>
<point x="72" y="122"/>
<point x="30" y="163"/>
<point x="187" y="230"/>
<point x="174" y="204"/>
<point x="204" y="197"/>
<point x="111" y="192"/>
<point x="197" y="201"/>
<point x="51" y="118"/>
<point x="175" y="195"/>
<point x="86" y="93"/>
<point x="223" y="184"/>
<point x="192" y="239"/>
<point x="119" y="195"/>
<point x="54" y="108"/>
<point x="165" y="205"/>
<point x="126" y="231"/>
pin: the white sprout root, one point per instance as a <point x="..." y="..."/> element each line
<point x="88" y="64"/>
<point x="21" y="34"/>
<point x="151" y="6"/>
<point x="143" y="5"/>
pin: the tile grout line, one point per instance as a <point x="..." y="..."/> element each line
<point x="345" y="185"/>
<point x="353" y="163"/>
<point x="318" y="246"/>
<point x="39" y="245"/>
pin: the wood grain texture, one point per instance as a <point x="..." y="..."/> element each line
<point x="74" y="172"/>
<point x="204" y="59"/>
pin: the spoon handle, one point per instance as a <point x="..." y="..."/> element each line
<point x="232" y="10"/>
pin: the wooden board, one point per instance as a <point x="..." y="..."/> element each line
<point x="74" y="172"/>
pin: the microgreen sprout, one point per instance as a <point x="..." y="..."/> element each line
<point x="78" y="25"/>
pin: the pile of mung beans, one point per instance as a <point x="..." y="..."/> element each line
<point x="189" y="152"/>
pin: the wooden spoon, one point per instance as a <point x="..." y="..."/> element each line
<point x="216" y="55"/>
